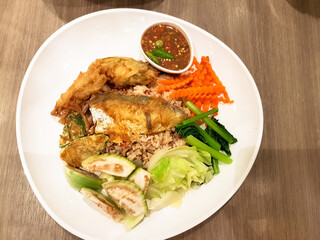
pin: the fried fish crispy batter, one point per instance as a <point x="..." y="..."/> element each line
<point x="80" y="149"/>
<point x="119" y="71"/>
<point x="125" y="71"/>
<point x="125" y="117"/>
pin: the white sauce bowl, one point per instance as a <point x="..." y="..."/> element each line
<point x="185" y="34"/>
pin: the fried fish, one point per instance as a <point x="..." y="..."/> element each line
<point x="118" y="71"/>
<point x="125" y="117"/>
<point x="81" y="148"/>
<point x="124" y="71"/>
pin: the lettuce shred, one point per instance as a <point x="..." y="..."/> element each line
<point x="175" y="171"/>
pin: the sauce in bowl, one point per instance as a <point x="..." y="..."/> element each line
<point x="167" y="46"/>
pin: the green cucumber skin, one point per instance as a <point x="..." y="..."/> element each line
<point x="116" y="213"/>
<point x="128" y="166"/>
<point x="78" y="180"/>
<point x="134" y="177"/>
<point x="134" y="187"/>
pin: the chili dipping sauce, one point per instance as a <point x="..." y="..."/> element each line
<point x="173" y="42"/>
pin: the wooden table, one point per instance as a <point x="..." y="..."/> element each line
<point x="279" y="42"/>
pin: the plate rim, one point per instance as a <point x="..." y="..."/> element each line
<point x="115" y="10"/>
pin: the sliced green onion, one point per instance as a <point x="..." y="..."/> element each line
<point x="222" y="132"/>
<point x="200" y="116"/>
<point x="159" y="43"/>
<point x="214" y="153"/>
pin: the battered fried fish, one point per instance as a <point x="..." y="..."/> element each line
<point x="80" y="149"/>
<point x="123" y="71"/>
<point x="125" y="117"/>
<point x="119" y="71"/>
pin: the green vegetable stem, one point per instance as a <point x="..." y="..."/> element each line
<point x="152" y="57"/>
<point x="197" y="132"/>
<point x="224" y="144"/>
<point x="162" y="53"/>
<point x="218" y="129"/>
<point x="214" y="153"/>
<point x="215" y="165"/>
<point x="200" y="116"/>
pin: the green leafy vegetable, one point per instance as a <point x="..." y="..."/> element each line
<point x="183" y="152"/>
<point x="224" y="144"/>
<point x="199" y="133"/>
<point x="214" y="153"/>
<point x="169" y="198"/>
<point x="205" y="156"/>
<point x="215" y="164"/>
<point x="177" y="170"/>
<point x="63" y="145"/>
<point x="159" y="171"/>
<point x="216" y="127"/>
<point x="78" y="119"/>
<point x="74" y="128"/>
<point x="200" y="116"/>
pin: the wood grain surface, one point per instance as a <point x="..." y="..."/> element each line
<point x="279" y="42"/>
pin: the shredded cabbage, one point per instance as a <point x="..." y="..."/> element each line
<point x="175" y="171"/>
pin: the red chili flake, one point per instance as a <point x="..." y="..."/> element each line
<point x="168" y="44"/>
<point x="123" y="144"/>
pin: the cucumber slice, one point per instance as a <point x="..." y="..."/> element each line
<point x="106" y="177"/>
<point x="104" y="203"/>
<point x="78" y="178"/>
<point x="127" y="195"/>
<point x="109" y="163"/>
<point x="130" y="222"/>
<point x="140" y="177"/>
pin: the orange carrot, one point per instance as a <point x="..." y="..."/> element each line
<point x="174" y="86"/>
<point x="184" y="92"/>
<point x="200" y="85"/>
<point x="172" y="81"/>
<point x="205" y="106"/>
<point x="168" y="81"/>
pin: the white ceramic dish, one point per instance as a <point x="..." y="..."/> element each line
<point x="58" y="62"/>
<point x="186" y="35"/>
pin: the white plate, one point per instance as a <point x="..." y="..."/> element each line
<point x="58" y="62"/>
